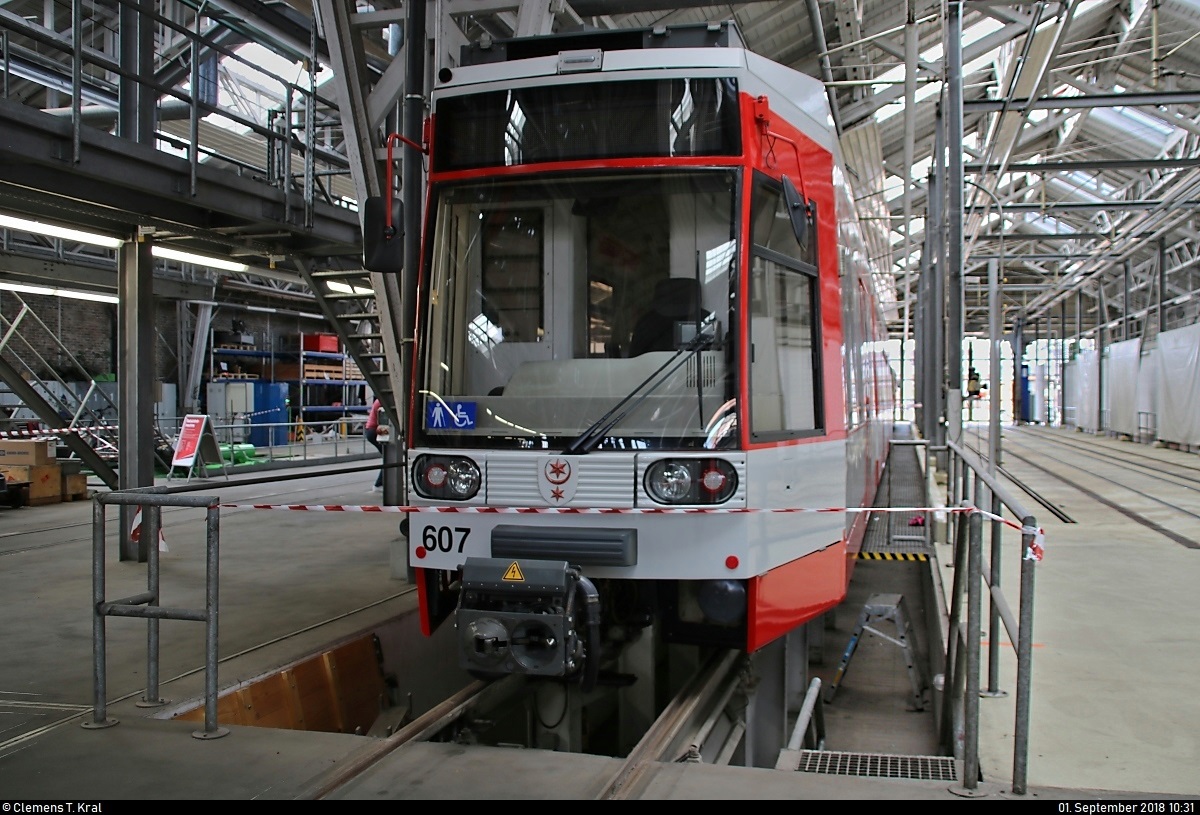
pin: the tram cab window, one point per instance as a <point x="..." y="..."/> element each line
<point x="535" y="290"/>
<point x="513" y="256"/>
<point x="785" y="398"/>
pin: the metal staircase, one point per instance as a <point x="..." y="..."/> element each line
<point x="85" y="422"/>
<point x="350" y="301"/>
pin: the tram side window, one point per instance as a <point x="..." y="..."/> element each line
<point x="785" y="396"/>
<point x="852" y="339"/>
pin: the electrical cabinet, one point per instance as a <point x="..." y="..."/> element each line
<point x="257" y="411"/>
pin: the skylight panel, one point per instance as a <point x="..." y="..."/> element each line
<point x="929" y="89"/>
<point x="1043" y="224"/>
<point x="1091" y="182"/>
<point x="1144" y="121"/>
<point x="916" y="227"/>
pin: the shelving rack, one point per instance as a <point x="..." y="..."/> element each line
<point x="331" y="371"/>
<point x="322" y="386"/>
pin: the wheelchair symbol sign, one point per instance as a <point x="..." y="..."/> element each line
<point x="441" y="415"/>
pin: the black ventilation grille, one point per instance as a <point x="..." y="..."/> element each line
<point x="877" y="765"/>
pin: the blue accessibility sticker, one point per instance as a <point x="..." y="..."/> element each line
<point x="441" y="415"/>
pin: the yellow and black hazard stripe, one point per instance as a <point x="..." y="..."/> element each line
<point x="909" y="556"/>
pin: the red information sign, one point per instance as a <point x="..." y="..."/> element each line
<point x="188" y="445"/>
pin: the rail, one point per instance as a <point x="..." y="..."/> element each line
<point x="680" y="731"/>
<point x="976" y="493"/>
<point x="145" y="605"/>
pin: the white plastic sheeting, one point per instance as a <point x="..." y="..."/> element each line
<point x="1087" y="391"/>
<point x="1179" y="385"/>
<point x="1121" y="380"/>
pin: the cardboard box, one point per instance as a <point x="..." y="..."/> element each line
<point x="45" y="481"/>
<point x="25" y="452"/>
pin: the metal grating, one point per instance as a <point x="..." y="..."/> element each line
<point x="878" y="765"/>
<point x="899" y="535"/>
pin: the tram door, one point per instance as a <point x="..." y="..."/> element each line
<point x="514" y="289"/>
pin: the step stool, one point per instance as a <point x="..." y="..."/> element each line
<point x="877" y="608"/>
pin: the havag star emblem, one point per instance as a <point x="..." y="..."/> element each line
<point x="556" y="481"/>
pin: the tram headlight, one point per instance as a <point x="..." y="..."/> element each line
<point x="691" y="481"/>
<point x="453" y="478"/>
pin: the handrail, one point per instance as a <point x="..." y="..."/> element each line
<point x="971" y="489"/>
<point x="810" y="724"/>
<point x="151" y="500"/>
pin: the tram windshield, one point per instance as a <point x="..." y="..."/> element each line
<point x="553" y="298"/>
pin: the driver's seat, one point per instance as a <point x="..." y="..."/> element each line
<point x="676" y="299"/>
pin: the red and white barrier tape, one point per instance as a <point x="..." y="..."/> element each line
<point x="1035" y="552"/>
<point x="36" y="435"/>
<point x="55" y="432"/>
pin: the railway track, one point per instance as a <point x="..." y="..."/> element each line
<point x="1150" y="492"/>
<point x="696" y="726"/>
<point x="701" y="724"/>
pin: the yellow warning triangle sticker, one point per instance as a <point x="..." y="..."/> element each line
<point x="514" y="572"/>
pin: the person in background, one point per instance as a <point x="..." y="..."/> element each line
<point x="371" y="432"/>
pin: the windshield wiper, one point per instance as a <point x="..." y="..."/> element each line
<point x="586" y="441"/>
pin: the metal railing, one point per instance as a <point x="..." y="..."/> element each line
<point x="146" y="604"/>
<point x="291" y="440"/>
<point x="974" y="494"/>
<point x="288" y="126"/>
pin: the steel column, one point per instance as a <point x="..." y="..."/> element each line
<point x="954" y="218"/>
<point x="135" y="381"/>
<point x="937" y="317"/>
<point x="1162" y="284"/>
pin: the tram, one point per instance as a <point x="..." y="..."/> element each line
<point x="648" y="380"/>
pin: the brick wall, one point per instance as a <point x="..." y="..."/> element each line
<point x="87" y="331"/>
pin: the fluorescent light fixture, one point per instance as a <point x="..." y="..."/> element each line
<point x="199" y="260"/>
<point x="39" y="228"/>
<point x="53" y="291"/>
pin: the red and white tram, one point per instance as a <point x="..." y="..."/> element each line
<point x="647" y="377"/>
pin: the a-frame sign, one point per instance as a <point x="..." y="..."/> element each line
<point x="197" y="445"/>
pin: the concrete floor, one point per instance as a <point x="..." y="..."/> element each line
<point x="1115" y="658"/>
